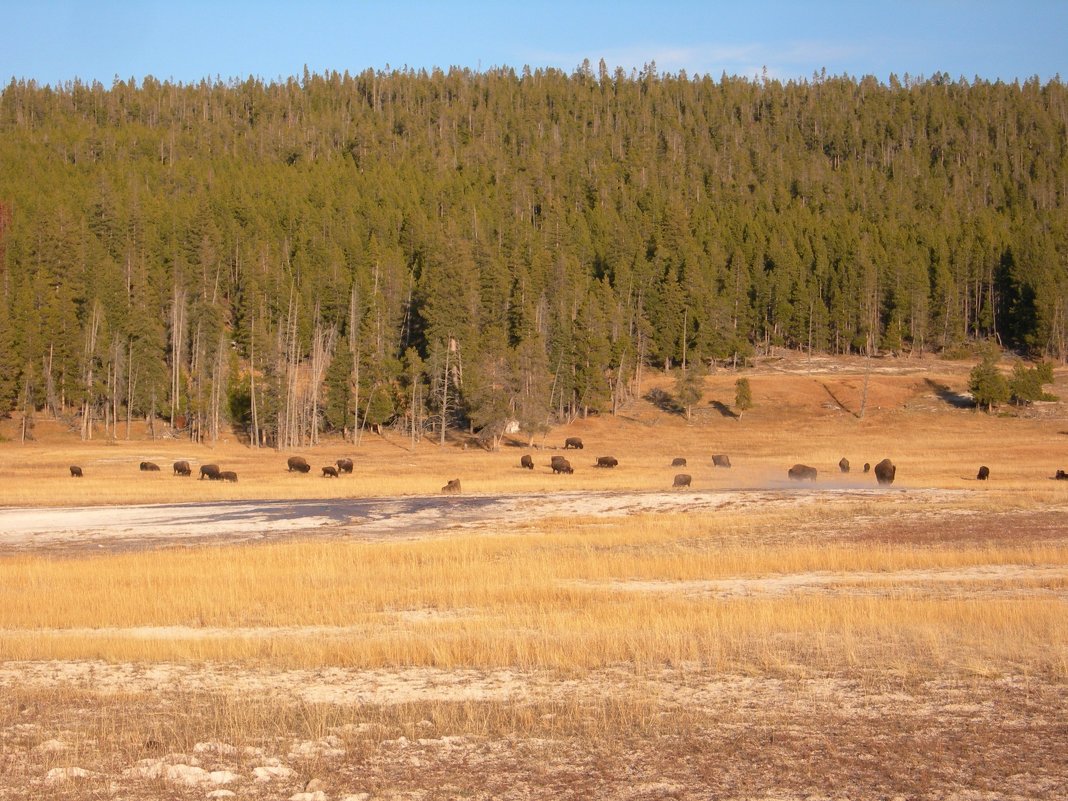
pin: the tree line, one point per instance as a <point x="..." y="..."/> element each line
<point x="429" y="250"/>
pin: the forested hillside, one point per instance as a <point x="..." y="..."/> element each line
<point x="334" y="251"/>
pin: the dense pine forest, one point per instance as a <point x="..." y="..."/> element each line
<point x="335" y="253"/>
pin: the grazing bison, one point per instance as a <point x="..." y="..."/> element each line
<point x="344" y="465"/>
<point x="561" y="465"/>
<point x="209" y="471"/>
<point x="885" y="472"/>
<point x="573" y="442"/>
<point x="802" y="472"/>
<point x="228" y="475"/>
<point x="681" y="480"/>
<point x="452" y="488"/>
<point x="843" y="465"/>
<point x="721" y="460"/>
<point x="984" y="473"/>
<point x="182" y="469"/>
<point x="329" y="471"/>
<point x="606" y="461"/>
<point x="76" y="472"/>
<point x="678" y="461"/>
<point x="867" y="467"/>
<point x="527" y="461"/>
<point x="148" y="467"/>
<point x="298" y="464"/>
<point x="1061" y="475"/>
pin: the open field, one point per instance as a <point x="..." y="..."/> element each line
<point x="585" y="636"/>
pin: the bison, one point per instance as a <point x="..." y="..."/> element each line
<point x="182" y="469"/>
<point x="681" y="480"/>
<point x="721" y="460"/>
<point x="76" y="472"/>
<point x="885" y="472"/>
<point x="148" y="467"/>
<point x="843" y="465"/>
<point x="209" y="471"/>
<point x="561" y="465"/>
<point x="1061" y="475"/>
<point x="329" y="471"/>
<point x="984" y="473"/>
<point x="298" y="464"/>
<point x="344" y="465"/>
<point x="678" y="461"/>
<point x="527" y="461"/>
<point x="802" y="472"/>
<point x="452" y="488"/>
<point x="573" y="442"/>
<point x="606" y="461"/>
<point x="228" y="475"/>
<point x="867" y="467"/>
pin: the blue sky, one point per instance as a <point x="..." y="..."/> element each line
<point x="54" y="41"/>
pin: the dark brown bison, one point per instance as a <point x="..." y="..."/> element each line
<point x="148" y="467"/>
<point x="76" y="472"/>
<point x="606" y="461"/>
<point x="802" y="472"/>
<point x="298" y="464"/>
<point x="527" y="461"/>
<point x="1061" y="475"/>
<point x="843" y="465"/>
<point x="182" y="469"/>
<point x="228" y="475"/>
<point x="885" y="472"/>
<point x="573" y="442"/>
<point x="867" y="467"/>
<point x="561" y="465"/>
<point x="329" y="471"/>
<point x="681" y="480"/>
<point x="344" y="465"/>
<point x="452" y="488"/>
<point x="984" y="473"/>
<point x="678" y="461"/>
<point x="209" y="471"/>
<point x="721" y="460"/>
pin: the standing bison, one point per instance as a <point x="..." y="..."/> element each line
<point x="984" y="473"/>
<point x="298" y="464"/>
<point x="149" y="467"/>
<point x="76" y="472"/>
<point x="452" y="488"/>
<point x="885" y="472"/>
<point x="606" y="461"/>
<point x="681" y="480"/>
<point x="527" y="461"/>
<point x="228" y="475"/>
<point x="344" y="465"/>
<point x="182" y="469"/>
<point x="573" y="442"/>
<point x="843" y="465"/>
<point x="721" y="460"/>
<point x="678" y="461"/>
<point x="561" y="465"/>
<point x="209" y="471"/>
<point x="1061" y="475"/>
<point x="867" y="467"/>
<point x="802" y="472"/>
<point x="329" y="471"/>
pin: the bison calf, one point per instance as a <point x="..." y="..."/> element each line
<point x="573" y="442"/>
<point x="344" y="465"/>
<point x="182" y="469"/>
<point x="452" y="488"/>
<point x="802" y="472"/>
<point x="885" y="472"/>
<point x="298" y="464"/>
<point x="984" y="473"/>
<point x="721" y="460"/>
<point x="867" y="467"/>
<point x="329" y="471"/>
<point x="76" y="472"/>
<point x="678" y="461"/>
<point x="149" y="467"/>
<point x="606" y="461"/>
<point x="228" y="475"/>
<point x="681" y="480"/>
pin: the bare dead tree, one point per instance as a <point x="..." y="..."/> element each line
<point x="92" y="331"/>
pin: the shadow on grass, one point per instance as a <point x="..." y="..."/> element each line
<point x="723" y="409"/>
<point x="954" y="399"/>
<point x="665" y="402"/>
